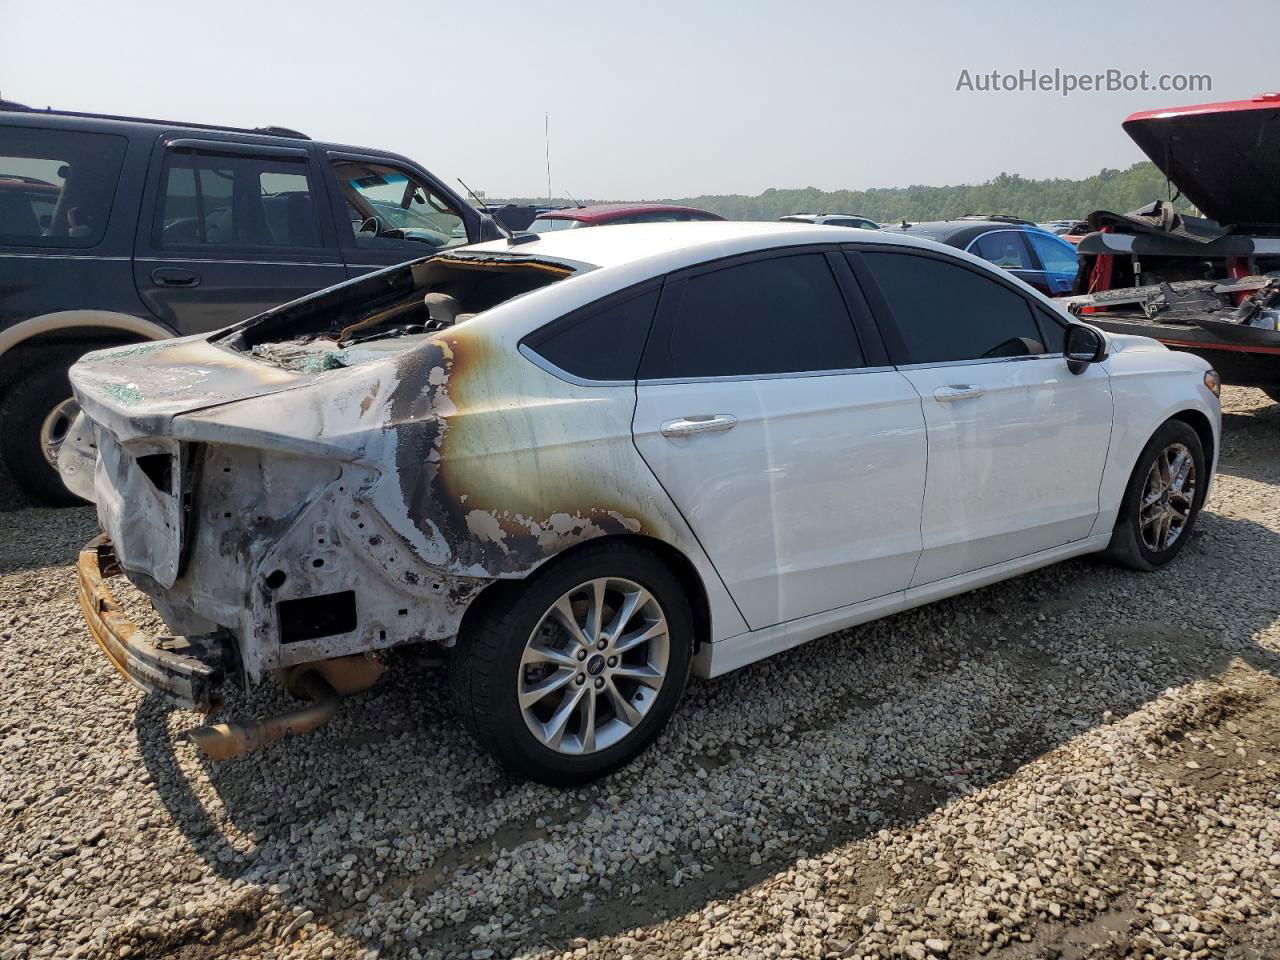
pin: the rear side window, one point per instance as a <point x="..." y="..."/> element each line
<point x="226" y="200"/>
<point x="599" y="343"/>
<point x="56" y="187"/>
<point x="1004" y="248"/>
<point x="780" y="315"/>
<point x="944" y="311"/>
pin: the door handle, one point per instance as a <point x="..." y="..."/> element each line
<point x="174" y="277"/>
<point x="709" y="423"/>
<point x="957" y="391"/>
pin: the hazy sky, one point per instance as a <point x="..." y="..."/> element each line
<point x="647" y="100"/>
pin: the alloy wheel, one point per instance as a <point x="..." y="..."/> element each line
<point x="594" y="665"/>
<point x="1168" y="497"/>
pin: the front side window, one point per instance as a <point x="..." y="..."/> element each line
<point x="1058" y="256"/>
<point x="1004" y="248"/>
<point x="779" y="315"/>
<point x="390" y="208"/>
<point x="230" y="200"/>
<point x="944" y="311"/>
<point x="601" y="342"/>
<point x="56" y="187"/>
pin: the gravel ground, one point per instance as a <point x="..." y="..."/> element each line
<point x="1080" y="762"/>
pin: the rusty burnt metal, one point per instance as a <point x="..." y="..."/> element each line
<point x="159" y="664"/>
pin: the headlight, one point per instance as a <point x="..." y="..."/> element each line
<point x="1213" y="382"/>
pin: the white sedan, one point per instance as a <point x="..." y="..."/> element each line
<point x="591" y="463"/>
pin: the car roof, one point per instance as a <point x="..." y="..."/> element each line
<point x="957" y="232"/>
<point x="681" y="244"/>
<point x="598" y="212"/>
<point x="17" y="114"/>
<point x="816" y="217"/>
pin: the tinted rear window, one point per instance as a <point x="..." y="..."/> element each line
<point x="599" y="343"/>
<point x="56" y="187"/>
<point x="780" y="315"/>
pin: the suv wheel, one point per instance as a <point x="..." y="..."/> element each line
<point x="37" y="415"/>
<point x="1163" y="499"/>
<point x="567" y="676"/>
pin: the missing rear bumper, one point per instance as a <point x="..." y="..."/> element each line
<point x="187" y="671"/>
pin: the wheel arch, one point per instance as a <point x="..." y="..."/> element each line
<point x="81" y="325"/>
<point x="681" y="567"/>
<point x="1198" y="422"/>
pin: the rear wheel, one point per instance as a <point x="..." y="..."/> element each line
<point x="569" y="675"/>
<point x="38" y="412"/>
<point x="1163" y="499"/>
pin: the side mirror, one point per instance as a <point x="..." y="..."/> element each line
<point x="1084" y="346"/>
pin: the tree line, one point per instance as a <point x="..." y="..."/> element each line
<point x="1009" y="193"/>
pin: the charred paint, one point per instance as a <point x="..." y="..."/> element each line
<point x="473" y="477"/>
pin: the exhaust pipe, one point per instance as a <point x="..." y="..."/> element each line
<point x="222" y="741"/>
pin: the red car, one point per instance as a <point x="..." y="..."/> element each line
<point x="597" y="215"/>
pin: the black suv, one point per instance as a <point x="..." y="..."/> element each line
<point x="117" y="229"/>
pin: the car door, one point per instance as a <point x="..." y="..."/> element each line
<point x="388" y="213"/>
<point x="231" y="229"/>
<point x="1017" y="442"/>
<point x="795" y="453"/>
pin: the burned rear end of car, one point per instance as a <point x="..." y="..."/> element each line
<point x="277" y="491"/>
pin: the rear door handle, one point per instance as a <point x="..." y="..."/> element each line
<point x="957" y="391"/>
<point x="174" y="277"/>
<point x="709" y="423"/>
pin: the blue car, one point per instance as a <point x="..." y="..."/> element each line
<point x="1030" y="253"/>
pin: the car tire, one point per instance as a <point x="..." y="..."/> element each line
<point x="33" y="405"/>
<point x="513" y="644"/>
<point x="1148" y="534"/>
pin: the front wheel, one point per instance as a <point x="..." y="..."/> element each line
<point x="1163" y="499"/>
<point x="568" y="676"/>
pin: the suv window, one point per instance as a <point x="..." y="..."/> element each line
<point x="225" y="200"/>
<point x="944" y="311"/>
<point x="1004" y="248"/>
<point x="778" y="315"/>
<point x="852" y="222"/>
<point x="1057" y="255"/>
<point x="56" y="187"/>
<point x="601" y="342"/>
<point x="391" y="209"/>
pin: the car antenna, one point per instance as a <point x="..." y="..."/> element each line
<point x="485" y="207"/>
<point x="576" y="202"/>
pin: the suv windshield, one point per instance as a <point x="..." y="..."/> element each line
<point x="390" y="208"/>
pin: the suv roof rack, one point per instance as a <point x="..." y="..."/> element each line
<point x="994" y="218"/>
<point x="271" y="131"/>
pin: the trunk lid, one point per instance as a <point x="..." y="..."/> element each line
<point x="137" y="390"/>
<point x="1224" y="157"/>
